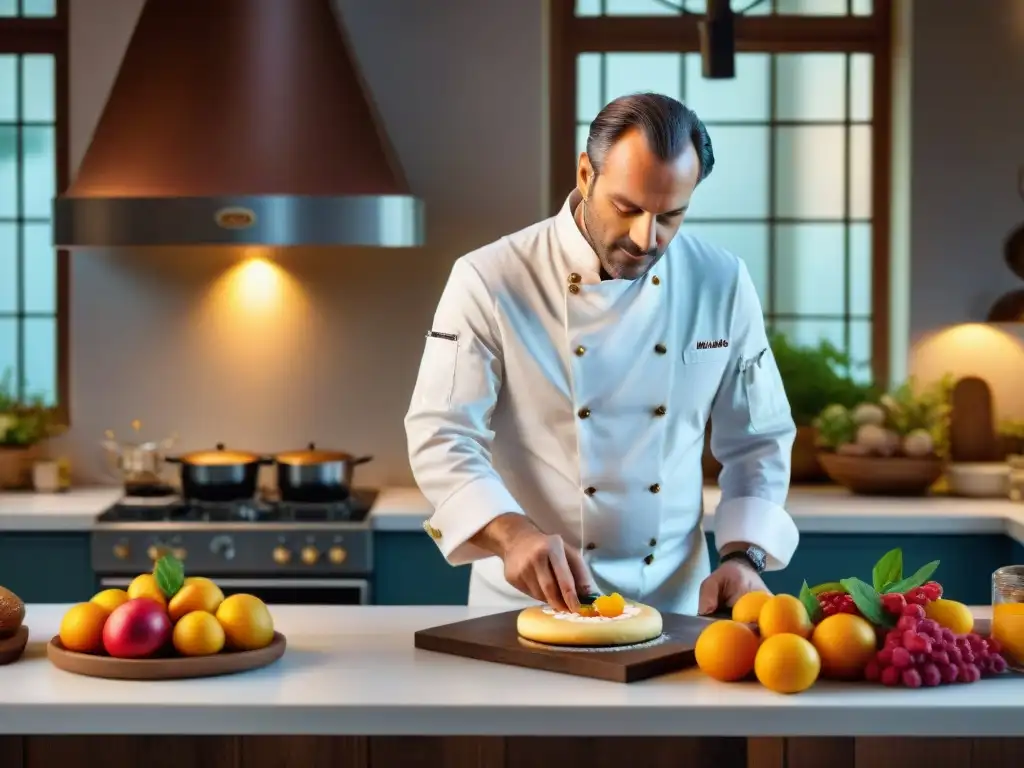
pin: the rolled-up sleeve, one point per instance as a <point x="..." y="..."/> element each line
<point x="448" y="424"/>
<point x="752" y="437"/>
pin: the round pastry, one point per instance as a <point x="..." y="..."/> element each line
<point x="611" y="621"/>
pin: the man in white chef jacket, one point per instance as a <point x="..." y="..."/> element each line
<point x="558" y="418"/>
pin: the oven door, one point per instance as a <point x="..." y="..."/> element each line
<point x="283" y="591"/>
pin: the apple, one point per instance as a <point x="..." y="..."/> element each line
<point x="136" y="629"/>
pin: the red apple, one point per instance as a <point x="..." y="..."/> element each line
<point x="136" y="629"/>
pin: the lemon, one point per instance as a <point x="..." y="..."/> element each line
<point x="110" y="598"/>
<point x="145" y="585"/>
<point x="198" y="634"/>
<point x="247" y="623"/>
<point x="950" y="614"/>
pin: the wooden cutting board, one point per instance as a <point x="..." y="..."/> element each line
<point x="494" y="638"/>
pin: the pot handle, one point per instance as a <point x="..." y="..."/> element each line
<point x="362" y="460"/>
<point x="173" y="459"/>
<point x="266" y="460"/>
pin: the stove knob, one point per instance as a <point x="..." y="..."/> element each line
<point x="155" y="552"/>
<point x="310" y="555"/>
<point x="337" y="555"/>
<point x="223" y="546"/>
<point x="180" y="553"/>
<point x="122" y="551"/>
<point x="282" y="555"/>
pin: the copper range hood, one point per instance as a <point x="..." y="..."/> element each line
<point x="239" y="122"/>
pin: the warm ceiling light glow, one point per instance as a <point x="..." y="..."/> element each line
<point x="256" y="282"/>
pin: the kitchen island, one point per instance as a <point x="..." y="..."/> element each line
<point x="353" y="691"/>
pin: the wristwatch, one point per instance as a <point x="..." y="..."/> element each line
<point x="755" y="556"/>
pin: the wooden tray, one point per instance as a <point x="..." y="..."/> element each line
<point x="495" y="638"/>
<point x="12" y="647"/>
<point x="176" y="668"/>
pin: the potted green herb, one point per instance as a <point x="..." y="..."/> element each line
<point x="25" y="425"/>
<point x="815" y="377"/>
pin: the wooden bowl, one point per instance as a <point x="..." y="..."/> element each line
<point x="12" y="647"/>
<point x="878" y="476"/>
<point x="174" y="668"/>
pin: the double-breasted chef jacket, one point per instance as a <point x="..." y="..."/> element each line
<point x="582" y="403"/>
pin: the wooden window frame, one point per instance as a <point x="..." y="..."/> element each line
<point x="572" y="35"/>
<point x="20" y="35"/>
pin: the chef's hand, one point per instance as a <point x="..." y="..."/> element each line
<point x="727" y="584"/>
<point x="545" y="568"/>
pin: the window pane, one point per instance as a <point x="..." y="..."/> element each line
<point x="641" y="8"/>
<point x="810" y="86"/>
<point x="812" y="332"/>
<point x="863" y="7"/>
<point x="8" y="89"/>
<point x="811" y="7"/>
<point x="41" y="358"/>
<point x="38" y="7"/>
<point x="809" y="274"/>
<point x="39" y="171"/>
<point x="738" y="185"/>
<point x="582" y="132"/>
<point x="588" y="86"/>
<point x="632" y="72"/>
<point x="860" y="172"/>
<point x="700" y="6"/>
<point x="860" y="269"/>
<point x="809" y="171"/>
<point x="747" y="241"/>
<point x="37" y="88"/>
<point x="860" y="350"/>
<point x="861" y="85"/>
<point x="8" y="8"/>
<point x="744" y="98"/>
<point x="8" y="173"/>
<point x="40" y="273"/>
<point x="8" y="268"/>
<point x="8" y="349"/>
<point x="588" y="7"/>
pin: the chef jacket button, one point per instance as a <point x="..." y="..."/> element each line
<point x="649" y="559"/>
<point x="574" y="278"/>
<point x="654" y="542"/>
<point x="580" y="351"/>
<point x="590" y="490"/>
<point x="655" y="488"/>
<point x="574" y="288"/>
<point x="656" y="280"/>
<point x="661" y="349"/>
<point x="583" y="413"/>
<point x="661" y="410"/>
<point x="591" y="545"/>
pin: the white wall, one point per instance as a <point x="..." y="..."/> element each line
<point x="460" y="84"/>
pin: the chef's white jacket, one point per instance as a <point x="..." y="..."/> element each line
<point x="583" y="403"/>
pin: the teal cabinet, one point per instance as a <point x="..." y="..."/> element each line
<point x="47" y="567"/>
<point x="409" y="570"/>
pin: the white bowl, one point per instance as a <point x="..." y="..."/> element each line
<point x="979" y="479"/>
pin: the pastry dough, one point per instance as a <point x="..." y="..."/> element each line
<point x="637" y="623"/>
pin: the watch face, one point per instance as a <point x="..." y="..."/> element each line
<point x="757" y="557"/>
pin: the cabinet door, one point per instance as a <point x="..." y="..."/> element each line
<point x="408" y="570"/>
<point x="47" y="567"/>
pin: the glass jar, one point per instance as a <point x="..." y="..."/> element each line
<point x="1016" y="463"/>
<point x="1008" y="613"/>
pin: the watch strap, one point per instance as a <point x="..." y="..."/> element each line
<point x="754" y="556"/>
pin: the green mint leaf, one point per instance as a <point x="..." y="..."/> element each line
<point x="170" y="575"/>
<point x="919" y="577"/>
<point x="888" y="570"/>
<point x="868" y="602"/>
<point x="810" y="603"/>
<point x="828" y="586"/>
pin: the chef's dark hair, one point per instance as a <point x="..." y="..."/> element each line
<point x="669" y="126"/>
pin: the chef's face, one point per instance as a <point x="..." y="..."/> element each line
<point x="634" y="207"/>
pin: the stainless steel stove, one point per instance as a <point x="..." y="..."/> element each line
<point x="282" y="552"/>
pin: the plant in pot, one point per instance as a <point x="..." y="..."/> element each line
<point x="815" y="377"/>
<point x="895" y="444"/>
<point x="25" y="424"/>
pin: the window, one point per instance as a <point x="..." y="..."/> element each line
<point x="800" y="137"/>
<point x="33" y="275"/>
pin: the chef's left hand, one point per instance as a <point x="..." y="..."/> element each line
<point x="727" y="584"/>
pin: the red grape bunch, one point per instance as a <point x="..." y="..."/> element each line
<point x="920" y="652"/>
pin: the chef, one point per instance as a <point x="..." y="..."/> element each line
<point x="557" y="422"/>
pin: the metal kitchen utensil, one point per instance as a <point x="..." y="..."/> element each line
<point x="139" y="464"/>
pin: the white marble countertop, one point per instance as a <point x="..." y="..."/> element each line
<point x="816" y="509"/>
<point x="354" y="671"/>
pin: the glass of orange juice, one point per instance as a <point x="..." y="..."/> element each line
<point x="1008" y="613"/>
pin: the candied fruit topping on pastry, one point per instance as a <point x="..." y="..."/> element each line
<point x="611" y="605"/>
<point x="588" y="610"/>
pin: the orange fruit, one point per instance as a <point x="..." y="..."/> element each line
<point x="198" y="634"/>
<point x="845" y="643"/>
<point x="110" y="598"/>
<point x="247" y="623"/>
<point x="196" y="594"/>
<point x="784" y="614"/>
<point x="748" y="608"/>
<point x="81" y="629"/>
<point x="611" y="605"/>
<point x="725" y="650"/>
<point x="787" y="663"/>
<point x="146" y="586"/>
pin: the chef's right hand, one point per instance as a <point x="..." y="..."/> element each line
<point x="545" y="568"/>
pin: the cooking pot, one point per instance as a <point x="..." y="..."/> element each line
<point x="219" y="475"/>
<point x="315" y="475"/>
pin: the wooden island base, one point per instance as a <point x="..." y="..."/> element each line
<point x="498" y="752"/>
